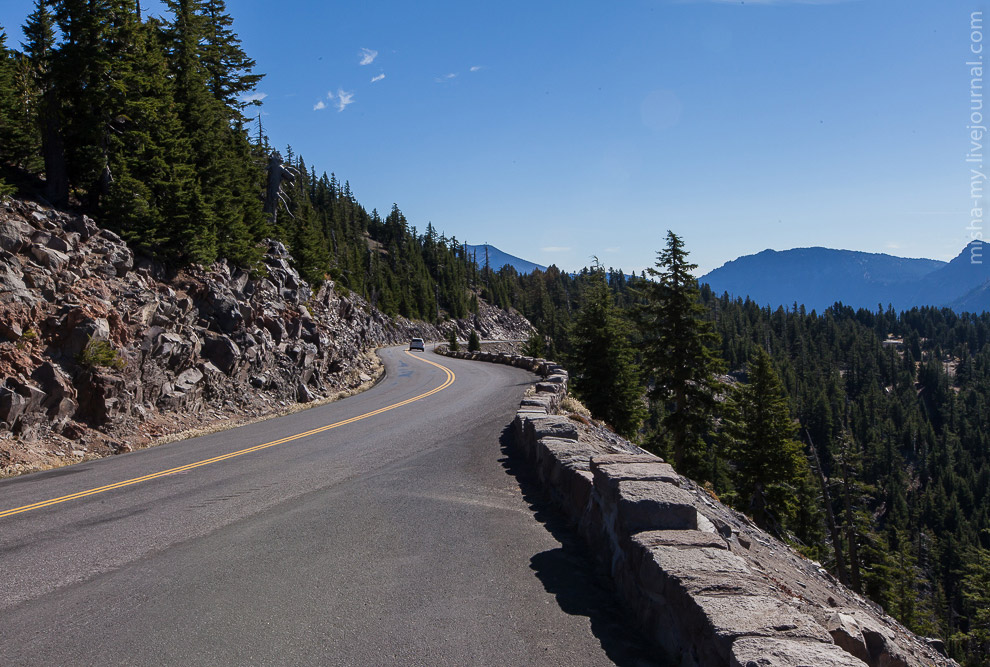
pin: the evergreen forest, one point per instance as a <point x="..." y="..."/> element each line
<point x="860" y="437"/>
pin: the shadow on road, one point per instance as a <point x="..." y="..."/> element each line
<point x="569" y="572"/>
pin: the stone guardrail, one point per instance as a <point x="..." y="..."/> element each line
<point x="673" y="565"/>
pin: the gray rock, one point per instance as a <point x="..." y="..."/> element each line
<point x="12" y="405"/>
<point x="551" y="427"/>
<point x="41" y="237"/>
<point x="772" y="652"/>
<point x="730" y="617"/>
<point x="846" y="633"/>
<point x="188" y="379"/>
<point x="60" y="402"/>
<point x="52" y="259"/>
<point x="58" y="243"/>
<point x="303" y="394"/>
<point x="536" y="401"/>
<point x="13" y="235"/>
<point x="122" y="260"/>
<point x="648" y="505"/>
<point x="222" y="353"/>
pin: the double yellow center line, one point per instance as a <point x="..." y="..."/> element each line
<point x="216" y="459"/>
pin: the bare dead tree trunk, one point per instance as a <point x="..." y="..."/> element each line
<point x="854" y="582"/>
<point x="833" y="530"/>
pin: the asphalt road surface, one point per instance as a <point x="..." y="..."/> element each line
<point x="390" y="528"/>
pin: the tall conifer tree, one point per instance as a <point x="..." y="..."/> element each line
<point x="678" y="353"/>
<point x="602" y="359"/>
<point x="767" y="456"/>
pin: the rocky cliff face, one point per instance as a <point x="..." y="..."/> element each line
<point x="102" y="351"/>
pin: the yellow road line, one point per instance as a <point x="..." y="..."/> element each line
<point x="216" y="459"/>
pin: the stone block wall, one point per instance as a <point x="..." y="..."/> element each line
<point x="704" y="583"/>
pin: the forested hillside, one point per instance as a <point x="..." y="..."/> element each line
<point x="142" y="124"/>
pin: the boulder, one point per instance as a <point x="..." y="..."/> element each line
<point x="14" y="235"/>
<point x="12" y="405"/>
<point x="52" y="259"/>
<point x="60" y="402"/>
<point x="102" y="397"/>
<point x="188" y="379"/>
<point x="222" y="353"/>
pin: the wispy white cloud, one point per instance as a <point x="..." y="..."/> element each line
<point x="340" y="99"/>
<point x="343" y="99"/>
<point x="475" y="68"/>
<point x="616" y="249"/>
<point x="446" y="77"/>
<point x="254" y="97"/>
<point x="556" y="248"/>
<point x="367" y="56"/>
<point x="378" y="77"/>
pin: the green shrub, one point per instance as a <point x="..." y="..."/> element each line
<point x="100" y="353"/>
<point x="474" y="343"/>
<point x="452" y="340"/>
<point x="536" y="346"/>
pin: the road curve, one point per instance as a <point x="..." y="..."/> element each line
<point x="392" y="531"/>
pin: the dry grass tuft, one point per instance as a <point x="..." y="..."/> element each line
<point x="571" y="404"/>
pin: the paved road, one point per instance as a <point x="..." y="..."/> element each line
<point x="386" y="536"/>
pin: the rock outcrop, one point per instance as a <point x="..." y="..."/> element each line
<point x="703" y="582"/>
<point x="102" y="350"/>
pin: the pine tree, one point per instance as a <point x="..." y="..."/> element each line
<point x="229" y="70"/>
<point x="90" y="66"/>
<point x="40" y="53"/>
<point x="16" y="144"/>
<point x="474" y="342"/>
<point x="152" y="195"/>
<point x="768" y="462"/>
<point x="975" y="589"/>
<point x="678" y="354"/>
<point x="602" y="360"/>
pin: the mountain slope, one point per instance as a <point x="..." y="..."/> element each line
<point x="818" y="277"/>
<point x="961" y="284"/>
<point x="497" y="259"/>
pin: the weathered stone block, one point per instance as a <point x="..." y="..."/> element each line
<point x="605" y="459"/>
<point x="771" y="652"/>
<point x="563" y="466"/>
<point x="610" y="474"/>
<point x="729" y="617"/>
<point x="641" y="506"/>
<point x="536" y="401"/>
<point x="684" y="539"/>
<point x="551" y="427"/>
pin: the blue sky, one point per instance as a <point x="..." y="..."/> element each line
<point x="562" y="130"/>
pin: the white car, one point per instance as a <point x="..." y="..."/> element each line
<point x="417" y="344"/>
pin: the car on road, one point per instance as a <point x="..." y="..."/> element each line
<point x="417" y="344"/>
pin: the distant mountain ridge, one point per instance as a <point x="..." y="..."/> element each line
<point x="818" y="277"/>
<point x="497" y="259"/>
